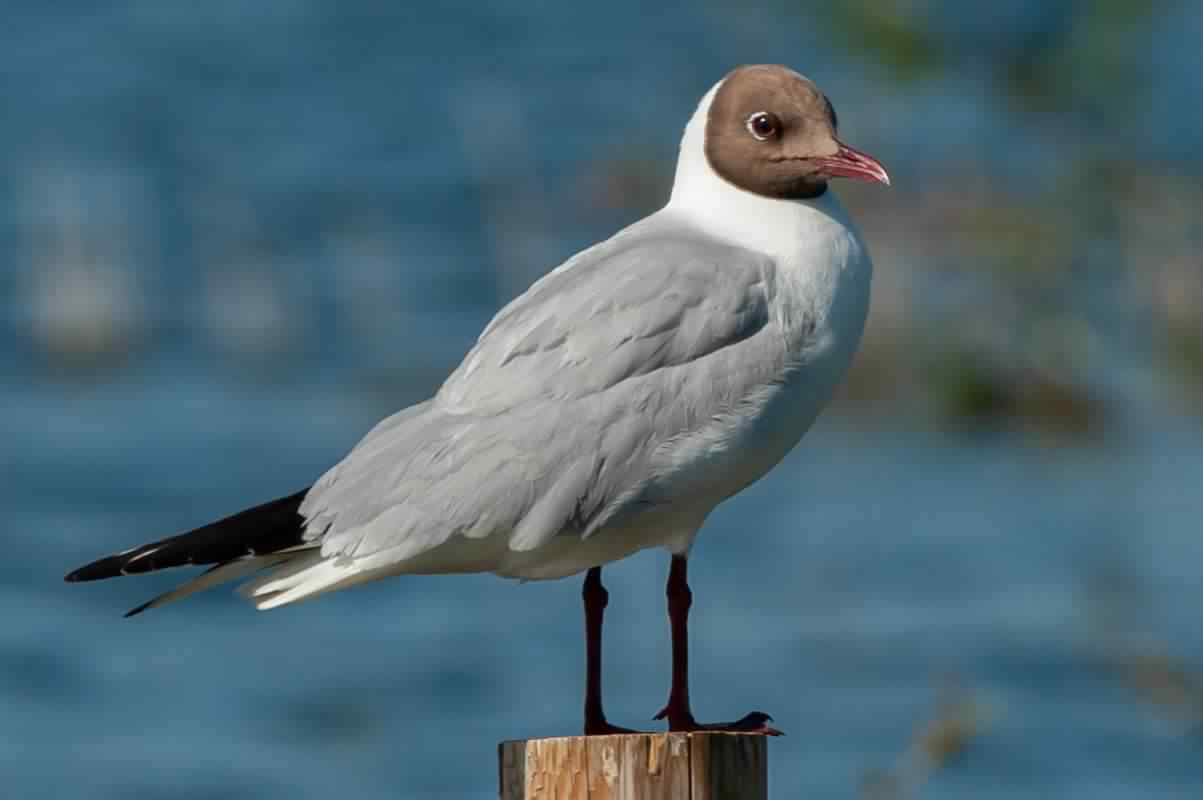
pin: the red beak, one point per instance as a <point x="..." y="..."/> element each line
<point x="848" y="162"/>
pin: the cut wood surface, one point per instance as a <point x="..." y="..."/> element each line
<point x="641" y="766"/>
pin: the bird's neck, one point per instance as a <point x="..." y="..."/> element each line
<point x="821" y="260"/>
<point x="769" y="225"/>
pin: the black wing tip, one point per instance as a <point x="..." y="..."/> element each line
<point x="265" y="528"/>
<point x="98" y="570"/>
<point x="131" y="562"/>
<point x="108" y="567"/>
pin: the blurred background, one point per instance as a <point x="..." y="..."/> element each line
<point x="235" y="234"/>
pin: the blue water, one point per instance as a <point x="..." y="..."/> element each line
<point x="835" y="593"/>
<point x="293" y="218"/>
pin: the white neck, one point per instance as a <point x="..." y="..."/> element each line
<point x="764" y="224"/>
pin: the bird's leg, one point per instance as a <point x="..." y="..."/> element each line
<point x="596" y="597"/>
<point x="678" y="713"/>
<point x="680" y="599"/>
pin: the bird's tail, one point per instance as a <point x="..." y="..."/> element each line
<point x="239" y="545"/>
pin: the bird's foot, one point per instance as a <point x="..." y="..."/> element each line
<point x="753" y="722"/>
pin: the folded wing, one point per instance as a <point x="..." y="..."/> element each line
<point x="550" y="424"/>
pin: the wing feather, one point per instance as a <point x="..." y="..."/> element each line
<point x="552" y="423"/>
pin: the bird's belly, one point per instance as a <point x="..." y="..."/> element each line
<point x="738" y="448"/>
<point x="568" y="554"/>
<point x="749" y="447"/>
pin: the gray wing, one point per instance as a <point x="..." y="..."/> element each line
<point x="626" y="308"/>
<point x="550" y="424"/>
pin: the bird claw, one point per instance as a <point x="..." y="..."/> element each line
<point x="752" y="722"/>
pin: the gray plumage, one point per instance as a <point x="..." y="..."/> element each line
<point x="553" y="422"/>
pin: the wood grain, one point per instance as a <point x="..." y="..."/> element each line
<point x="729" y="765"/>
<point x="645" y="766"/>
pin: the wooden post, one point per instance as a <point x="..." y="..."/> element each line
<point x="639" y="766"/>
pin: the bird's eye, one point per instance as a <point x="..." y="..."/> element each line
<point x="763" y="125"/>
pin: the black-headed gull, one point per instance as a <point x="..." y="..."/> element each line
<point x="608" y="409"/>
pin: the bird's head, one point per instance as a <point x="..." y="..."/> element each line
<point x="772" y="132"/>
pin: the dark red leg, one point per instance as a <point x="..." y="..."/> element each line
<point x="680" y="717"/>
<point x="596" y="597"/>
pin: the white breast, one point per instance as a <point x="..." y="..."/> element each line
<point x="820" y="308"/>
<point x="823" y="302"/>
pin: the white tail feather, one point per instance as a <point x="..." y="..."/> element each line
<point x="315" y="579"/>
<point x="283" y="577"/>
<point x="306" y="575"/>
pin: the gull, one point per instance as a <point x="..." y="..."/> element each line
<point x="610" y="407"/>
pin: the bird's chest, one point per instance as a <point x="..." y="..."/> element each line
<point x="821" y="315"/>
<point x="818" y="315"/>
<point x="821" y="309"/>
